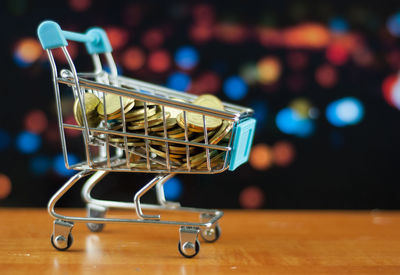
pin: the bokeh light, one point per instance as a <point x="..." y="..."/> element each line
<point x="290" y="122"/>
<point x="39" y="165"/>
<point x="35" y="121"/>
<point x="159" y="61"/>
<point x="133" y="58"/>
<point x="326" y="76"/>
<point x="269" y="69"/>
<point x="261" y="157"/>
<point x="153" y="39"/>
<point x="59" y="165"/>
<point x="80" y="5"/>
<point x="396" y="94"/>
<point x="301" y="106"/>
<point x="307" y="36"/>
<point x="207" y="82"/>
<point x="118" y="37"/>
<point x="201" y="33"/>
<point x="235" y="88"/>
<point x="27" y="51"/>
<point x="229" y="32"/>
<point x="5" y="139"/>
<point x="283" y="153"/>
<point x="393" y="24"/>
<point x="203" y="13"/>
<point x="178" y="81"/>
<point x="338" y="25"/>
<point x="186" y="57"/>
<point x="28" y="142"/>
<point x="337" y="54"/>
<point x="297" y="60"/>
<point x="71" y="132"/>
<point x="173" y="189"/>
<point x="5" y="186"/>
<point x="345" y="111"/>
<point x="249" y="73"/>
<point x="387" y="88"/>
<point x="251" y="197"/>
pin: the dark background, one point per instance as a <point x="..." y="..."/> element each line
<point x="353" y="167"/>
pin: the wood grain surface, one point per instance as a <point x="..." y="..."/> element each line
<point x="252" y="242"/>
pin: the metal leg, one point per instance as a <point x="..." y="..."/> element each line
<point x="140" y="193"/>
<point x="95" y="211"/>
<point x="210" y="233"/>
<point x="161" y="196"/>
<point x="188" y="244"/>
<point x="90" y="184"/>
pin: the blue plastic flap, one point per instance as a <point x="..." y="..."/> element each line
<point x="242" y="142"/>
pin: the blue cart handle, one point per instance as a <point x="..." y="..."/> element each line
<point x="51" y="36"/>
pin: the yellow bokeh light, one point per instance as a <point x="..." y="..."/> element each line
<point x="28" y="50"/>
<point x="269" y="69"/>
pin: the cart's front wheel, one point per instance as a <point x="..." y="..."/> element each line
<point x="95" y="227"/>
<point x="212" y="234"/>
<point x="189" y="249"/>
<point x="60" y="243"/>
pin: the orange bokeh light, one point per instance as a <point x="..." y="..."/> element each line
<point x="283" y="153"/>
<point x="269" y="69"/>
<point x="387" y="88"/>
<point x="153" y="38"/>
<point x="308" y="35"/>
<point x="80" y="5"/>
<point x="261" y="157"/>
<point x="201" y="32"/>
<point x="118" y="37"/>
<point x="29" y="50"/>
<point x="133" y="58"/>
<point x="5" y="186"/>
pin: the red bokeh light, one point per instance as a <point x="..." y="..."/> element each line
<point x="35" y="121"/>
<point x="118" y="37"/>
<point x="71" y="132"/>
<point x="326" y="76"/>
<point x="297" y="60"/>
<point x="251" y="197"/>
<point x="283" y="153"/>
<point x="72" y="50"/>
<point x="133" y="58"/>
<point x="230" y="33"/>
<point x="337" y="54"/>
<point x="159" y="61"/>
<point x="203" y="13"/>
<point x="387" y="88"/>
<point x="153" y="39"/>
<point x="207" y="82"/>
<point x="80" y="5"/>
<point x="201" y="32"/>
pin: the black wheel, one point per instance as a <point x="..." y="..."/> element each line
<point x="196" y="250"/>
<point x="211" y="235"/>
<point x="95" y="227"/>
<point x="70" y="240"/>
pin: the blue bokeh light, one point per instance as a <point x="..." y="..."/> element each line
<point x="59" y="165"/>
<point x="235" y="88"/>
<point x="20" y="62"/>
<point x="393" y="24"/>
<point x="28" y="142"/>
<point x="39" y="165"/>
<point x="173" y="189"/>
<point x="5" y="140"/>
<point x="338" y="24"/>
<point x="186" y="57"/>
<point x="290" y="122"/>
<point x="178" y="81"/>
<point x="344" y="112"/>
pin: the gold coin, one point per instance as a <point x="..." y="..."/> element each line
<point x="174" y="112"/>
<point x="150" y="123"/>
<point x="224" y="130"/>
<point x="199" y="158"/>
<point x="113" y="104"/>
<point x="91" y="103"/>
<point x="156" y="117"/>
<point x="162" y="154"/>
<point x="141" y="103"/>
<point x="214" y="162"/>
<point x="170" y="123"/>
<point x="180" y="150"/>
<point x="150" y="112"/>
<point x="143" y="165"/>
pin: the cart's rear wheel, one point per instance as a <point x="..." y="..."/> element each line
<point x="212" y="234"/>
<point x="189" y="249"/>
<point x="60" y="243"/>
<point x="95" y="227"/>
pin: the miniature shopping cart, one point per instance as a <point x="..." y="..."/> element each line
<point x="103" y="156"/>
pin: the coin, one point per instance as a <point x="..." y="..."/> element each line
<point x="150" y="112"/>
<point x="174" y="112"/>
<point x="170" y="123"/>
<point x="91" y="104"/>
<point x="224" y="130"/>
<point x="113" y="104"/>
<point x="180" y="150"/>
<point x="163" y="154"/>
<point x="214" y="162"/>
<point x="199" y="158"/>
<point x="153" y="121"/>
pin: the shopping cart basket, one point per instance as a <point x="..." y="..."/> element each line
<point x="103" y="155"/>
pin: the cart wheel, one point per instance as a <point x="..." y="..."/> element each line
<point x="60" y="243"/>
<point x="95" y="227"/>
<point x="189" y="249"/>
<point x="210" y="235"/>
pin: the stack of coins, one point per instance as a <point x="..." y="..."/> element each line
<point x="218" y="131"/>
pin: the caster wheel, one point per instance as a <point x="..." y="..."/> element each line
<point x="60" y="243"/>
<point x="210" y="235"/>
<point x="95" y="227"/>
<point x="189" y="249"/>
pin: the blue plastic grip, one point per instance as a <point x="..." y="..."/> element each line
<point x="51" y="36"/>
<point x="242" y="142"/>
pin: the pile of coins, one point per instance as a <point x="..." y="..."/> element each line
<point x="218" y="130"/>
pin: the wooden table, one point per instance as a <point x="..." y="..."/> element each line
<point x="252" y="242"/>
